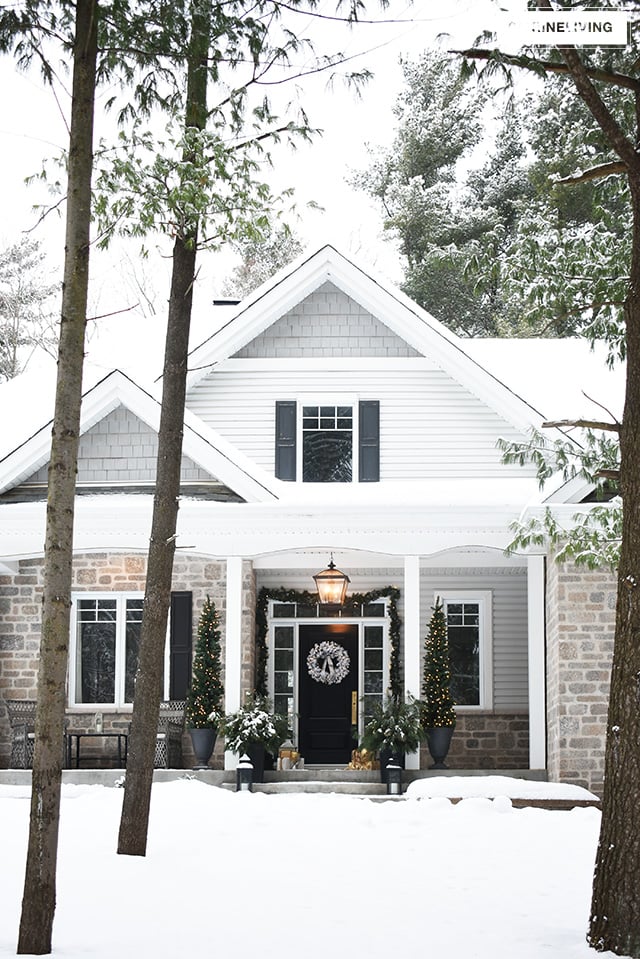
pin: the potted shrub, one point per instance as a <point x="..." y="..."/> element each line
<point x="254" y="730"/>
<point x="393" y="729"/>
<point x="437" y="706"/>
<point x="203" y="710"/>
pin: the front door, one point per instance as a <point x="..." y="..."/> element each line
<point x="328" y="683"/>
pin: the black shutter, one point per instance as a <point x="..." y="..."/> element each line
<point x="286" y="439"/>
<point x="369" y="441"/>
<point x="180" y="643"/>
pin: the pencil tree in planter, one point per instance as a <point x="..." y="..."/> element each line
<point x="438" y="707"/>
<point x="205" y="697"/>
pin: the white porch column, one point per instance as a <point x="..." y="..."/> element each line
<point x="537" y="684"/>
<point x="412" y="637"/>
<point x="233" y="645"/>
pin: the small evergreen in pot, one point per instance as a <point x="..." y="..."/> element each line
<point x="203" y="710"/>
<point x="393" y="729"/>
<point x="254" y="730"/>
<point x="437" y="705"/>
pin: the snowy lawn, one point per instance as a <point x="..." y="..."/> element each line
<point x="309" y="876"/>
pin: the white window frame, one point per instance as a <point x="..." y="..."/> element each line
<point x="484" y="599"/>
<point x="329" y="399"/>
<point x="121" y="600"/>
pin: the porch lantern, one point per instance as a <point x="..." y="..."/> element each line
<point x="394" y="779"/>
<point x="244" y="775"/>
<point x="331" y="585"/>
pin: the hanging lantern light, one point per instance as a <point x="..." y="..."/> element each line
<point x="331" y="585"/>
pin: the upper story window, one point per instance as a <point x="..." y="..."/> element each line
<point x="328" y="442"/>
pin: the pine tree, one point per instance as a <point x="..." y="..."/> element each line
<point x="206" y="692"/>
<point x="438" y="706"/>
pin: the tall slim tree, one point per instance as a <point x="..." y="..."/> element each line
<point x="132" y="839"/>
<point x="614" y="923"/>
<point x="39" y="898"/>
<point x="25" y="31"/>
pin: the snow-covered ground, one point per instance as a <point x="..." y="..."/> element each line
<point x="310" y="876"/>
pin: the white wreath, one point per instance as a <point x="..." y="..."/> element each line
<point x="328" y="663"/>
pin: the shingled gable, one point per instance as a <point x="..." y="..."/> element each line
<point x="203" y="445"/>
<point x="388" y="304"/>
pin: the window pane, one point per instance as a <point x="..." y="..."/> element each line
<point x="283" y="659"/>
<point x="283" y="682"/>
<point x="284" y="610"/>
<point x="373" y="637"/>
<point x="96" y="663"/>
<point x="283" y="637"/>
<point x="373" y="682"/>
<point x="373" y="659"/>
<point x="327" y="457"/>
<point x="464" y="653"/>
<point x="132" y="646"/>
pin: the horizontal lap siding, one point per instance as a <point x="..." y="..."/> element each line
<point x="509" y="605"/>
<point x="429" y="425"/>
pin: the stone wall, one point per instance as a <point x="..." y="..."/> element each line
<point x="580" y="632"/>
<point x="487" y="741"/>
<point x="20" y="618"/>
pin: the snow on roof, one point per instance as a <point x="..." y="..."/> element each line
<point x="561" y="378"/>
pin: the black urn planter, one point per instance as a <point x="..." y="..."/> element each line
<point x="439" y="740"/>
<point x="388" y="756"/>
<point x="203" y="742"/>
<point x="257" y="754"/>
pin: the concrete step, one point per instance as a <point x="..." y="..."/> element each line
<point x="310" y="786"/>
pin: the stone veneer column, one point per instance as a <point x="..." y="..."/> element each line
<point x="580" y="632"/>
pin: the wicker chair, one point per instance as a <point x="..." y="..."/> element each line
<point x="169" y="735"/>
<point x="22" y="717"/>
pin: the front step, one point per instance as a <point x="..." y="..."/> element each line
<point x="350" y="788"/>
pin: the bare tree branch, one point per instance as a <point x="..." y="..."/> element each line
<point x="604" y="169"/>
<point x="583" y="424"/>
<point x="537" y="65"/>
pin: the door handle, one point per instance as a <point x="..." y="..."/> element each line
<point x="354" y="707"/>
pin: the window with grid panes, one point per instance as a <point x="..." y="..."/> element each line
<point x="104" y="648"/>
<point x="373" y="667"/>
<point x="283" y="672"/>
<point x="463" y="630"/>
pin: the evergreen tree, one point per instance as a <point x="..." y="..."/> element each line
<point x="437" y="704"/>
<point x="206" y="692"/>
<point x="262" y="256"/>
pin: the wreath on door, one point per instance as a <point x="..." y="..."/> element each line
<point x="328" y="663"/>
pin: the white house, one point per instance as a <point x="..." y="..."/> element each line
<point x="330" y="418"/>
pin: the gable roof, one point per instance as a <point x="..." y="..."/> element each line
<point x="404" y="317"/>
<point x="201" y="444"/>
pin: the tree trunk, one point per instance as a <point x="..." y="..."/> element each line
<point x="39" y="898"/>
<point x="615" y="909"/>
<point x="134" y="823"/>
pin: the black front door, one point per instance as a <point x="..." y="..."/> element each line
<point x="328" y="682"/>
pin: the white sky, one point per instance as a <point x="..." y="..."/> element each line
<point x="32" y="127"/>
<point x="252" y="875"/>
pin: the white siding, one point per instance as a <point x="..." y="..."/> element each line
<point x="430" y="426"/>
